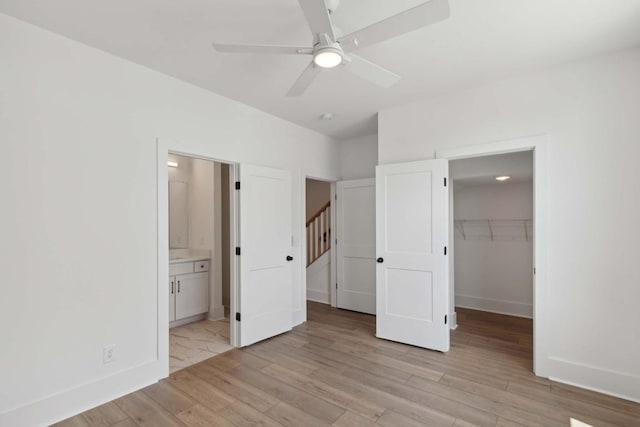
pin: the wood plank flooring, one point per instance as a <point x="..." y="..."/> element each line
<point x="333" y="371"/>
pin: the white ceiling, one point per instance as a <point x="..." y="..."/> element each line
<point x="484" y="170"/>
<point x="483" y="40"/>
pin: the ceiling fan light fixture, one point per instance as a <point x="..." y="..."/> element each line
<point x="328" y="57"/>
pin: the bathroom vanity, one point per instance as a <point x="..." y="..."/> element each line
<point x="188" y="289"/>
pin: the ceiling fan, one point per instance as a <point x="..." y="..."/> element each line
<point x="331" y="49"/>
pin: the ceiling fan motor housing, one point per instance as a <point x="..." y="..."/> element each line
<point x="327" y="53"/>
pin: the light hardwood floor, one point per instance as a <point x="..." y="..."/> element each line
<point x="333" y="371"/>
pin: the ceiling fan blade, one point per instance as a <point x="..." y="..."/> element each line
<point x="371" y="72"/>
<point x="317" y="15"/>
<point x="410" y="20"/>
<point x="264" y="49"/>
<point x="305" y="80"/>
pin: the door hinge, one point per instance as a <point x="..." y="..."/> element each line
<point x="445" y="319"/>
<point x="445" y="250"/>
<point x="237" y="185"/>
<point x="445" y="181"/>
<point x="336" y="286"/>
<point x="238" y="317"/>
<point x="335" y="197"/>
<point x="237" y="250"/>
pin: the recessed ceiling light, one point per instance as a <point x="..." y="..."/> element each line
<point x="503" y="178"/>
<point x="172" y="164"/>
<point x="326" y="116"/>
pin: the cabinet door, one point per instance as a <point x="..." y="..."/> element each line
<point x="172" y="298"/>
<point x="192" y="294"/>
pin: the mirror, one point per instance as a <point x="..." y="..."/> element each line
<point x="178" y="215"/>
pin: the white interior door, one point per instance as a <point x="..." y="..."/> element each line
<point x="266" y="286"/>
<point x="356" y="247"/>
<point x="412" y="269"/>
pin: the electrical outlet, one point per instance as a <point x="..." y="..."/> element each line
<point x="109" y="354"/>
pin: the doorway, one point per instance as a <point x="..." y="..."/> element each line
<point x="537" y="145"/>
<point x="319" y="240"/>
<point x="340" y="237"/>
<point x="199" y="212"/>
<point x="491" y="203"/>
<point x="414" y="290"/>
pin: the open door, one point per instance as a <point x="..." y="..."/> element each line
<point x="356" y="245"/>
<point x="411" y="241"/>
<point x="265" y="304"/>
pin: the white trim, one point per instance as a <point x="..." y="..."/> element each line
<point x="67" y="403"/>
<point x="300" y="255"/>
<point x="511" y="308"/>
<point x="187" y="320"/>
<point x="599" y="380"/>
<point x="538" y="144"/>
<point x="217" y="313"/>
<point x="317" y="296"/>
<point x="162" y="215"/>
<point x="333" y="292"/>
<point x="234" y="268"/>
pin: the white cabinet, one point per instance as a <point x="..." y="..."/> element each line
<point x="188" y="291"/>
<point x="192" y="294"/>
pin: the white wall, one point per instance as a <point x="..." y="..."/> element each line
<point x="79" y="241"/>
<point x="201" y="205"/>
<point x="358" y="157"/>
<point x="494" y="275"/>
<point x="319" y="279"/>
<point x="205" y="220"/>
<point x="589" y="109"/>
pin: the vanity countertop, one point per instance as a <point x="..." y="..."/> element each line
<point x="188" y="259"/>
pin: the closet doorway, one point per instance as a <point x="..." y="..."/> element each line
<point x="493" y="251"/>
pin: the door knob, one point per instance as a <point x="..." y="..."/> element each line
<point x="289" y="258"/>
<point x="380" y="260"/>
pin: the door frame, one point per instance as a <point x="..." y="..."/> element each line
<point x="538" y="145"/>
<point x="163" y="149"/>
<point x="303" y="237"/>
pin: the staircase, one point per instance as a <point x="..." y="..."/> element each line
<point x="319" y="234"/>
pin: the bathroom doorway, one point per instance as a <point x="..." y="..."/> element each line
<point x="200" y="263"/>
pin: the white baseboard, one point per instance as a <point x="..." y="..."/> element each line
<point x="317" y="296"/>
<point x="495" y="306"/>
<point x="614" y="383"/>
<point x="216" y="313"/>
<point x="187" y="320"/>
<point x="70" y="402"/>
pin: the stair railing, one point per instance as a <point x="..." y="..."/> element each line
<point x="319" y="234"/>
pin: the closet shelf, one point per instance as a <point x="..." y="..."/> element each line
<point x="494" y="229"/>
